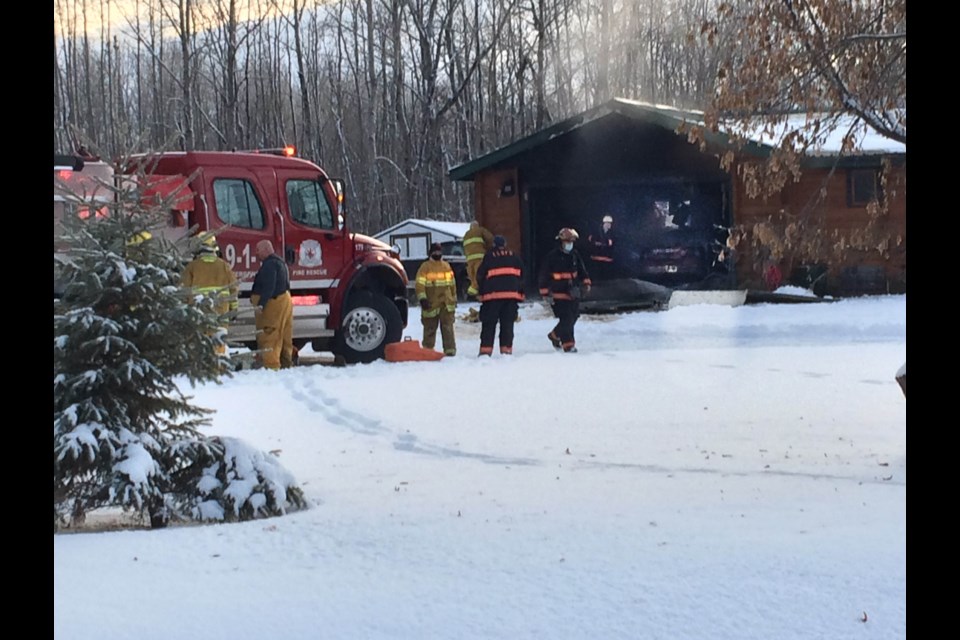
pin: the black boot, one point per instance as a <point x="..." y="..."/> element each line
<point x="554" y="340"/>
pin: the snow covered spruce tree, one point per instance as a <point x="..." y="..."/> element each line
<point x="124" y="332"/>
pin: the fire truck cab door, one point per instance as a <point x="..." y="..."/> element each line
<point x="242" y="205"/>
<point x="314" y="240"/>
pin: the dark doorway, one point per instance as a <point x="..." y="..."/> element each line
<point x="666" y="231"/>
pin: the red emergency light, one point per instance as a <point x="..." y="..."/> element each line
<point x="99" y="214"/>
<point x="288" y="151"/>
<point x="305" y="301"/>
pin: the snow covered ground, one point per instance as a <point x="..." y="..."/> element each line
<point x="706" y="472"/>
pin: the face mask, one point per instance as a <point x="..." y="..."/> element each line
<point x="436" y="256"/>
<point x="567" y="246"/>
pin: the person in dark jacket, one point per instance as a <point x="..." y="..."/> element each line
<point x="563" y="280"/>
<point x="273" y="309"/>
<point x="500" y="281"/>
<point x="602" y="250"/>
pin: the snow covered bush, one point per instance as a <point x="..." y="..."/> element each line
<point x="245" y="484"/>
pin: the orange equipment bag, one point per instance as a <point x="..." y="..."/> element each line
<point x="409" y="350"/>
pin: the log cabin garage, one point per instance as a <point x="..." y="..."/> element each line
<point x="673" y="205"/>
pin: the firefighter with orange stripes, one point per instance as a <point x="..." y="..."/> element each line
<point x="602" y="249"/>
<point x="500" y="280"/>
<point x="563" y="281"/>
<point x="437" y="292"/>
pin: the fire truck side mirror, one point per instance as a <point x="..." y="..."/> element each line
<point x="339" y="192"/>
<point x="338" y="189"/>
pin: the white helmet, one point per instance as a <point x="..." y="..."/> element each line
<point x="608" y="219"/>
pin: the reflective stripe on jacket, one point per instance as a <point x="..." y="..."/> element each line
<point x="500" y="276"/>
<point x="560" y="272"/>
<point x="601" y="246"/>
<point x="209" y="274"/>
<point x="476" y="242"/>
<point x="437" y="284"/>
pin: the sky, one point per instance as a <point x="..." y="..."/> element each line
<point x="703" y="472"/>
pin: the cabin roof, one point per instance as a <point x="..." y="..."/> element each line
<point x="455" y="229"/>
<point x="759" y="140"/>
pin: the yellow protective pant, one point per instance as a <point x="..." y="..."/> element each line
<point x="472" y="267"/>
<point x="445" y="320"/>
<point x="275" y="332"/>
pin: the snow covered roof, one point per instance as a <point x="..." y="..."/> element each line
<point x="455" y="229"/>
<point x="868" y="141"/>
<point x="668" y="117"/>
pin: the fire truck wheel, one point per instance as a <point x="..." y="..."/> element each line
<point x="370" y="323"/>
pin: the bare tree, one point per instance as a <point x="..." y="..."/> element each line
<point x="228" y="46"/>
<point x="388" y="93"/>
<point x="184" y="28"/>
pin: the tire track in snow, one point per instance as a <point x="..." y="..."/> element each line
<point x="653" y="468"/>
<point x="330" y="408"/>
<point x="409" y="442"/>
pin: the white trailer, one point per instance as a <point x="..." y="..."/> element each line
<point x="413" y="238"/>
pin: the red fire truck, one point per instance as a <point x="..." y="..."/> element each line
<point x="348" y="289"/>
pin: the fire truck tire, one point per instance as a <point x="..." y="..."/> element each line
<point x="370" y="323"/>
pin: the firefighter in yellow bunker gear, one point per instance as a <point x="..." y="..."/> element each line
<point x="273" y="309"/>
<point x="436" y="289"/>
<point x="209" y="274"/>
<point x="476" y="242"/>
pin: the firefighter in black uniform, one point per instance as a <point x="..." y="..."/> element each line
<point x="601" y="250"/>
<point x="563" y="281"/>
<point x="500" y="279"/>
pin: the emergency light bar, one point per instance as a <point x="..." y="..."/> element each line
<point x="288" y="151"/>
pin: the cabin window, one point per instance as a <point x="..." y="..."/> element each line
<point x="237" y="204"/>
<point x="411" y="245"/>
<point x="307" y="203"/>
<point x="863" y="187"/>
